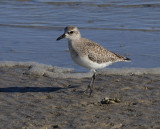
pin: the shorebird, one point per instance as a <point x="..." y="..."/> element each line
<point x="89" y="54"/>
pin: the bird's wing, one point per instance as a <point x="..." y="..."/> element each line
<point x="99" y="54"/>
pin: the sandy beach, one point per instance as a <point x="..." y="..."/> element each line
<point x="32" y="101"/>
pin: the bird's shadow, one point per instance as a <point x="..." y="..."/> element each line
<point x="33" y="89"/>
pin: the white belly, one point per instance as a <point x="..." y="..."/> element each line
<point x="87" y="63"/>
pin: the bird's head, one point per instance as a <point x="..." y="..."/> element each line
<point x="70" y="33"/>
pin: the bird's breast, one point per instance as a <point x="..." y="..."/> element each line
<point x="73" y="51"/>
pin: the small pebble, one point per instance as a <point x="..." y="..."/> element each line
<point x="107" y="100"/>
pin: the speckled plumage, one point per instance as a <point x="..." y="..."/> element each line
<point x="98" y="53"/>
<point x="88" y="53"/>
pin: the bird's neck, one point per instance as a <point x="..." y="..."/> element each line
<point x="75" y="40"/>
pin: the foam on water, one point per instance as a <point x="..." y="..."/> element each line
<point x="60" y="72"/>
<point x="44" y="70"/>
<point x="130" y="71"/>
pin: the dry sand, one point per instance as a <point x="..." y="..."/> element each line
<point x="32" y="101"/>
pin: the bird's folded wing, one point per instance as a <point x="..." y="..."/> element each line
<point x="99" y="54"/>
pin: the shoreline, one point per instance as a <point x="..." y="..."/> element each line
<point x="61" y="72"/>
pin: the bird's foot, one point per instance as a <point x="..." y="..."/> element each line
<point x="89" y="90"/>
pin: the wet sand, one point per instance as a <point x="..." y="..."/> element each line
<point x="32" y="101"/>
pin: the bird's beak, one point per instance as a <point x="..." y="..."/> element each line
<point x="61" y="37"/>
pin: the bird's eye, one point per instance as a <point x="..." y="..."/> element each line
<point x="71" y="32"/>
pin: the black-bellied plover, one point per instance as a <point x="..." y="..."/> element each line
<point x="89" y="54"/>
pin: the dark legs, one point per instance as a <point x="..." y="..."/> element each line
<point x="91" y="84"/>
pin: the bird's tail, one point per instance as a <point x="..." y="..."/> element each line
<point x="127" y="59"/>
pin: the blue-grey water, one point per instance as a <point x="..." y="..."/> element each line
<point x="29" y="28"/>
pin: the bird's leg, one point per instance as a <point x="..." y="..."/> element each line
<point x="91" y="84"/>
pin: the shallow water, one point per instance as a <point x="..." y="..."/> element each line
<point x="29" y="29"/>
